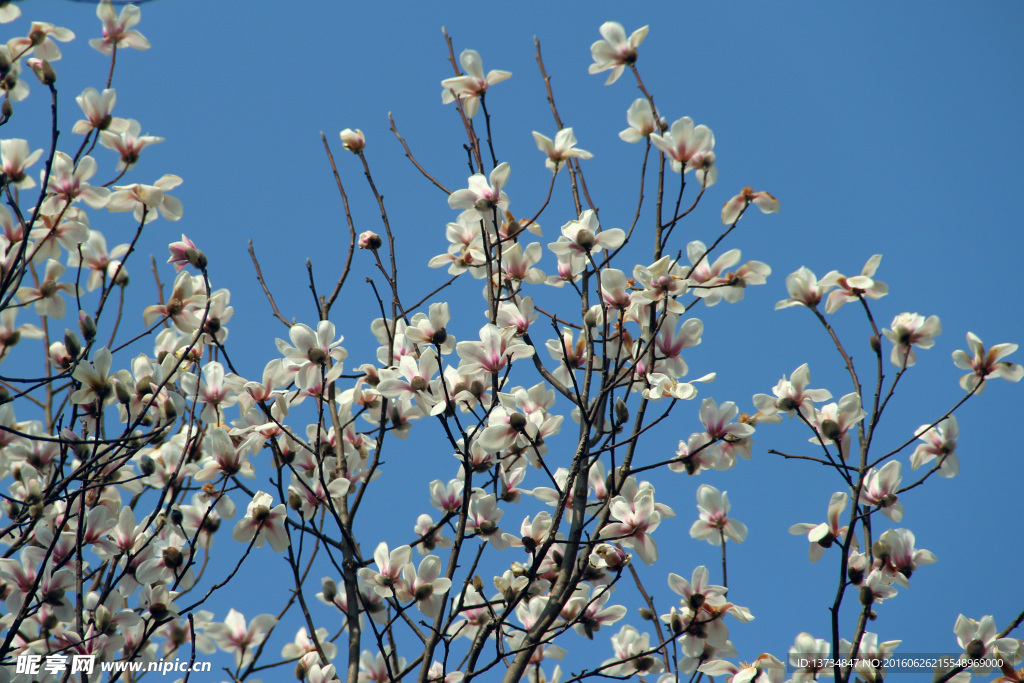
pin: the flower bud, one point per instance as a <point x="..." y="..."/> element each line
<point x="176" y="517"/>
<point x="876" y="344"/>
<point x="353" y="140"/>
<point x="881" y="550"/>
<point x="517" y="421"/>
<point x="196" y="258"/>
<point x="147" y="465"/>
<point x="71" y="343"/>
<point x="621" y="411"/>
<point x="294" y="501"/>
<point x="6" y="109"/>
<point x="867" y="596"/>
<point x="330" y="589"/>
<point x="124" y="397"/>
<point x="370" y="240"/>
<point x="5" y="395"/>
<point x="43" y="71"/>
<point x="87" y="325"/>
<point x="646" y="614"/>
<point x="103" y="616"/>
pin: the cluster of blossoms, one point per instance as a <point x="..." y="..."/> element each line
<point x="120" y="478"/>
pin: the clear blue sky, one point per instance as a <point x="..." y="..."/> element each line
<point x="883" y="128"/>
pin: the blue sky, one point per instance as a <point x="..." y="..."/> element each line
<point x="882" y="128"/>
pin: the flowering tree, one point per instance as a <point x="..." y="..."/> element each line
<point x="124" y="457"/>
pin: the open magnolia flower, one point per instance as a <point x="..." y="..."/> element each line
<point x="471" y="87"/>
<point x="560" y="150"/>
<point x="616" y="51"/>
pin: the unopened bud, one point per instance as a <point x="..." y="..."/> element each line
<point x="196" y="258"/>
<point x="876" y="344"/>
<point x="370" y="240"/>
<point x="72" y="344"/>
<point x="147" y="465"/>
<point x="43" y="71"/>
<point x="867" y="596"/>
<point x="5" y="395"/>
<point x="353" y="140"/>
<point x="646" y="614"/>
<point x="592" y="318"/>
<point x="330" y="589"/>
<point x="881" y="550"/>
<point x="294" y="500"/>
<point x="124" y="397"/>
<point x="87" y="325"/>
<point x="478" y="583"/>
<point x="6" y="109"/>
<point x="300" y="671"/>
<point x="517" y="421"/>
<point x="102" y="618"/>
<point x="621" y="411"/>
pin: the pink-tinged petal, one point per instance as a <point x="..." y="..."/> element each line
<point x="766" y="202"/>
<point x="732" y="209"/>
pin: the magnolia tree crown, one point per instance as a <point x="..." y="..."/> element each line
<point x="141" y="441"/>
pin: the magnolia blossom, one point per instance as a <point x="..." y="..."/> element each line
<point x="939" y="444"/>
<point x="353" y="140"/>
<point x="984" y="364"/>
<point x="129" y="143"/>
<point x="561" y="149"/>
<point x="823" y="535"/>
<point x="853" y="288"/>
<point x="481" y="198"/>
<point x="869" y="653"/>
<point x="714" y="524"/>
<point x="615" y="51"/>
<point x="765" y="669"/>
<point x="641" y="119"/>
<point x="471" y="87"/>
<point x="716" y="420"/>
<point x="97" y="107"/>
<point x="834" y="421"/>
<point x="637" y="519"/>
<point x="792" y="395"/>
<point x="68" y="183"/>
<point x="735" y="207"/>
<point x="40" y="41"/>
<point x="633" y="654"/>
<point x="899" y="556"/>
<point x="585" y="236"/>
<point x="496" y="349"/>
<point x="880" y="488"/>
<point x="910" y="330"/>
<point x="262" y="524"/>
<point x="147" y="200"/>
<point x="117" y="30"/>
<point x="690" y="148"/>
<point x="15" y="158"/>
<point x="46" y="298"/>
<point x="980" y="641"/>
<point x="234" y="636"/>
<point x="804" y="289"/>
